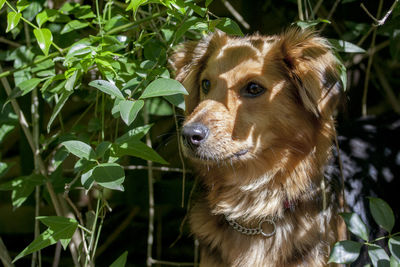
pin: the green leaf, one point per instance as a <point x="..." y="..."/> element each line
<point x="60" y="229"/>
<point x="382" y="213"/>
<point x="163" y="87"/>
<point x="176" y="100"/>
<point x="44" y="39"/>
<point x="229" y="26"/>
<point x="2" y="2"/>
<point x="121" y="261"/>
<point x="344" y="46"/>
<point x="356" y="225"/>
<point x="138" y="149"/>
<point x="74" y="25"/>
<point x="345" y="252"/>
<point x="80" y="149"/>
<point x="29" y="85"/>
<point x="22" y="188"/>
<point x="102" y="148"/>
<point x="22" y="4"/>
<point x="134" y="134"/>
<point x="129" y="110"/>
<point x="45" y="15"/>
<point x="107" y="88"/>
<point x="59" y="157"/>
<point x="134" y="5"/>
<point x="69" y="85"/>
<point x="64" y="97"/>
<point x="394" y="247"/>
<point x="12" y="20"/>
<point x="394" y="262"/>
<point x="185" y="27"/>
<point x="87" y="179"/>
<point x="109" y="175"/>
<point x="378" y="256"/>
<point x="208" y="2"/>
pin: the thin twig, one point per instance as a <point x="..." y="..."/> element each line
<point x="11" y="43"/>
<point x="4" y="256"/>
<point x="236" y="14"/>
<point x="333" y="9"/>
<point x="317" y="6"/>
<point x="368" y="71"/>
<point x="150" y="235"/>
<point x="171" y="263"/>
<point x="161" y="169"/>
<point x="180" y="157"/>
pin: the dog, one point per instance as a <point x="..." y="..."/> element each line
<point x="259" y="131"/>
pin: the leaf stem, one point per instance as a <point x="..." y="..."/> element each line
<point x="85" y="229"/>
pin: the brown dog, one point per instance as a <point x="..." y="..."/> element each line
<point x="259" y="130"/>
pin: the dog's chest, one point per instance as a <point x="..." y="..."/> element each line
<point x="298" y="239"/>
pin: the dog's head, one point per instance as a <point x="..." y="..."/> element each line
<point x="256" y="94"/>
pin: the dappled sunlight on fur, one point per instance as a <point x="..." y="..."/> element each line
<point x="262" y="152"/>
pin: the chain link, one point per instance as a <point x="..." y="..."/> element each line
<point x="252" y="231"/>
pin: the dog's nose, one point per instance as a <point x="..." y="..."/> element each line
<point x="194" y="134"/>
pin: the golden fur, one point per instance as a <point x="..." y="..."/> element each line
<point x="287" y="133"/>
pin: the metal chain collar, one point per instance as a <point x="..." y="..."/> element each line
<point x="252" y="231"/>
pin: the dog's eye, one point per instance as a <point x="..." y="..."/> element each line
<point x="205" y="86"/>
<point x="252" y="90"/>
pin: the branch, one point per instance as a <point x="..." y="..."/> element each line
<point x="4" y="256"/>
<point x="236" y="14"/>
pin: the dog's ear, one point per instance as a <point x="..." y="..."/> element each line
<point x="313" y="69"/>
<point x="190" y="59"/>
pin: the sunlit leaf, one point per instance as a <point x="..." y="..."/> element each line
<point x="109" y="175"/>
<point x="134" y="134"/>
<point x="310" y="23"/>
<point x="29" y="85"/>
<point x="163" y="87"/>
<point x="378" y="256"/>
<point x="12" y="20"/>
<point x="60" y="228"/>
<point x="22" y="188"/>
<point x="80" y="149"/>
<point x="45" y="15"/>
<point x="344" y="46"/>
<point x="394" y="247"/>
<point x="356" y="225"/>
<point x="345" y="252"/>
<point x="107" y="88"/>
<point x="229" y="26"/>
<point x="138" y="149"/>
<point x="129" y="110"/>
<point x="44" y="39"/>
<point x="74" y="25"/>
<point x="2" y="2"/>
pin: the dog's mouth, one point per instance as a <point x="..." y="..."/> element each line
<point x="206" y="156"/>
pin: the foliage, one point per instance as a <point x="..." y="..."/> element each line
<point x="348" y="251"/>
<point x="124" y="51"/>
<point x="87" y="89"/>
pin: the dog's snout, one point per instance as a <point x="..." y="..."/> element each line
<point x="194" y="134"/>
